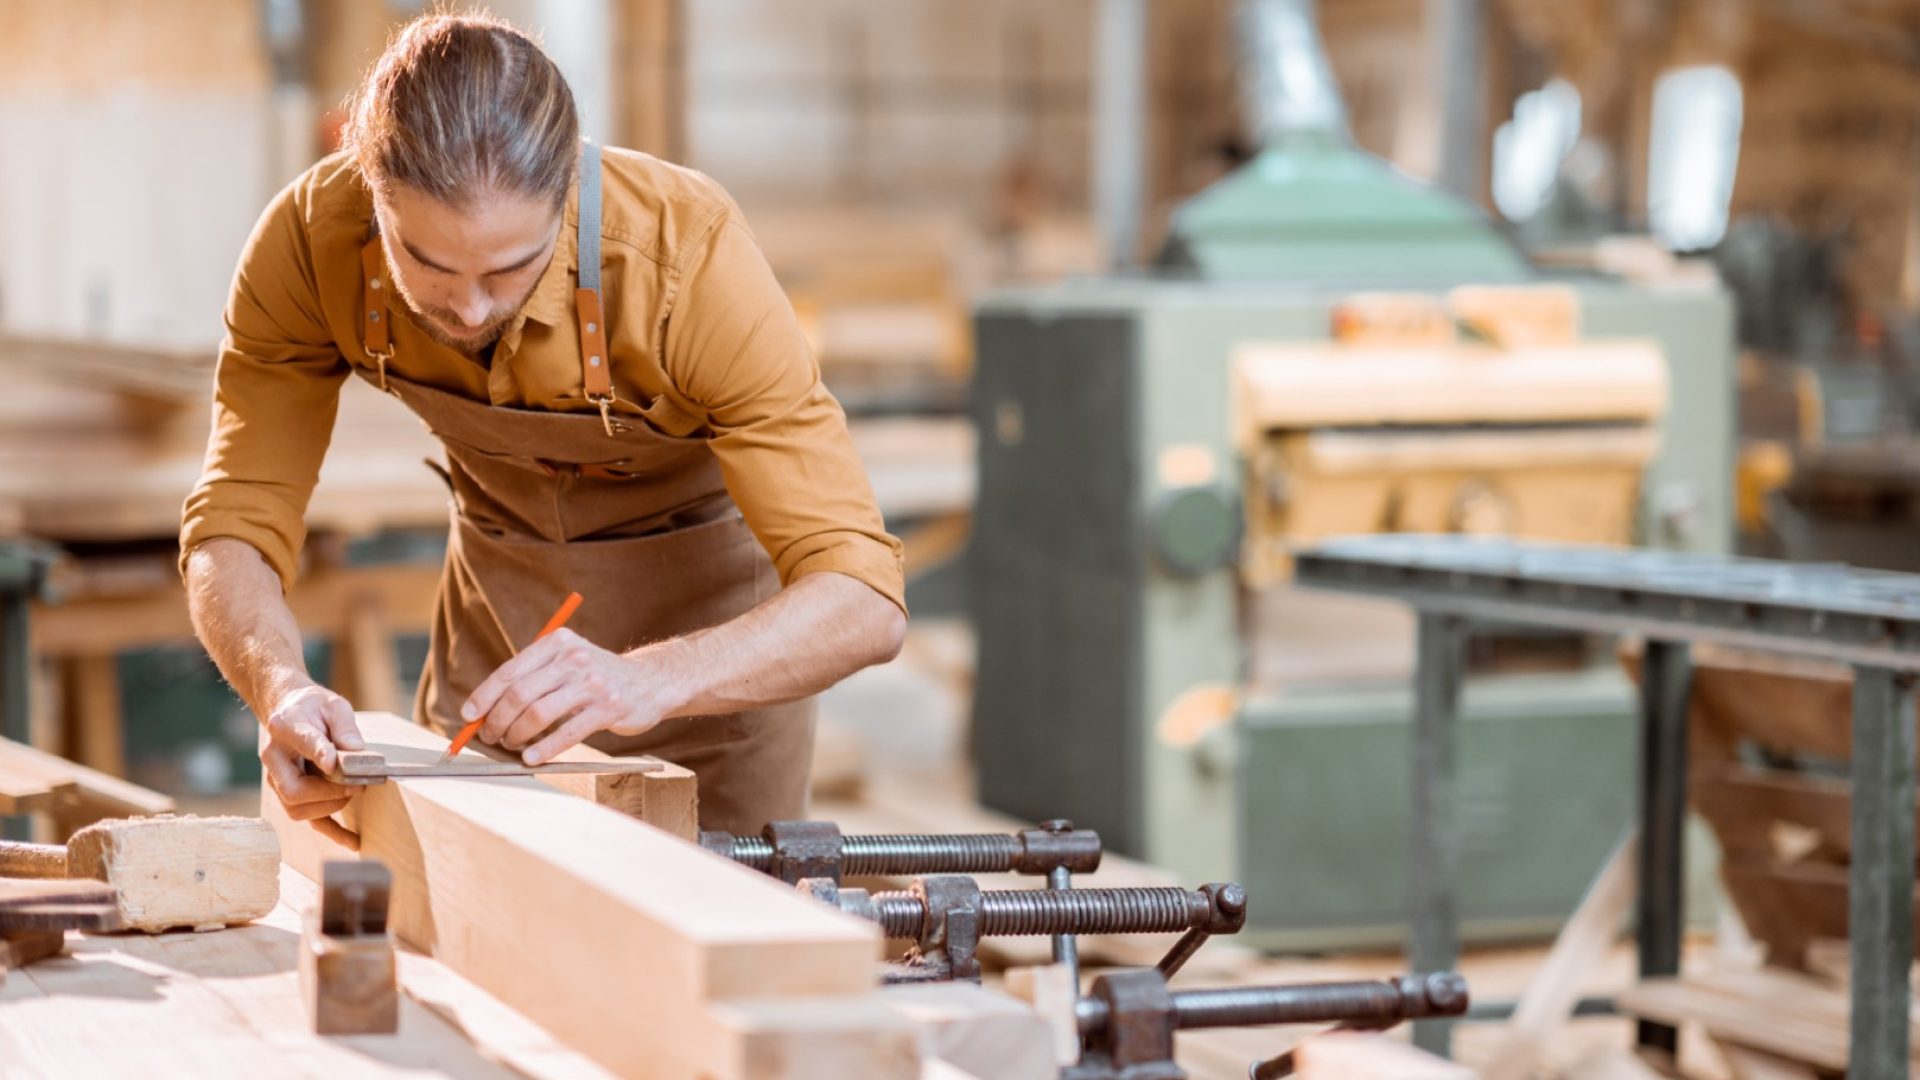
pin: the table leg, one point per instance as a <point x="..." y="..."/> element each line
<point x="1880" y="880"/>
<point x="1434" y="839"/>
<point x="1666" y="681"/>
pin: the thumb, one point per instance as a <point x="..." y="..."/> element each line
<point x="340" y="723"/>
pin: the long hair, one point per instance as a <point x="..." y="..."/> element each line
<point x="464" y="107"/>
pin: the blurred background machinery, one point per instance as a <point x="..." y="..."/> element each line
<point x="1325" y="347"/>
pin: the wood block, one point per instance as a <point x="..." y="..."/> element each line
<point x="1348" y="1056"/>
<point x="982" y="1031"/>
<point x="20" y="948"/>
<point x="169" y="872"/>
<point x="667" y="797"/>
<point x="1050" y="991"/>
<point x="349" y="982"/>
<point x="815" y="1039"/>
<point x="583" y="920"/>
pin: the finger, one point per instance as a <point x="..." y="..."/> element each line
<point x="341" y="726"/>
<point x="538" y="654"/>
<point x="557" y="706"/>
<point x="567" y="735"/>
<point x="518" y="698"/>
<point x="294" y="786"/>
<point x="310" y="811"/>
<point x="337" y="833"/>
<point x="313" y="744"/>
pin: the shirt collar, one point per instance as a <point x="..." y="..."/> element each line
<point x="551" y="301"/>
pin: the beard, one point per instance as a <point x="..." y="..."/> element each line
<point x="438" y="322"/>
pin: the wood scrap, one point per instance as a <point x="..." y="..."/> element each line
<point x="171" y="872"/>
<point x="1354" y="1056"/>
<point x="1550" y="997"/>
<point x="556" y="907"/>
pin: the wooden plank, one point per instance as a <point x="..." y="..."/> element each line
<point x="1790" y="906"/>
<point x="1769" y="1010"/>
<point x="21" y="949"/>
<point x="1746" y="1064"/>
<point x="583" y="920"/>
<point x="1548" y="1002"/>
<point x="95" y="794"/>
<point x="1349" y="1056"/>
<point x="25" y="789"/>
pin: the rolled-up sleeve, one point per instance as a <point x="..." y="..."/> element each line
<point x="276" y="390"/>
<point x="734" y="346"/>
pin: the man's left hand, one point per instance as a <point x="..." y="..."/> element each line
<point x="563" y="679"/>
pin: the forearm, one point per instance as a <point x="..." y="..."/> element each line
<point x="244" y="622"/>
<point x="811" y="635"/>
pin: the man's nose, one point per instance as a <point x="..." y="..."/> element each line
<point x="473" y="306"/>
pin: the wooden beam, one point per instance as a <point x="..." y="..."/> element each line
<point x="97" y="731"/>
<point x="585" y="920"/>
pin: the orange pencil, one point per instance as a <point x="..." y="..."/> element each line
<point x="567" y="607"/>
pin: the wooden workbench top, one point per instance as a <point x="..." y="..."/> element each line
<point x="228" y="1004"/>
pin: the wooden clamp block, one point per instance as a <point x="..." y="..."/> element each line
<point x="348" y="973"/>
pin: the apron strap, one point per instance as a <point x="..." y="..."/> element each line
<point x="594" y="362"/>
<point x="374" y="334"/>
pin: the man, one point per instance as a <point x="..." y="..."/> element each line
<point x="627" y="406"/>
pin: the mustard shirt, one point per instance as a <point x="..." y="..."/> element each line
<point x="702" y="341"/>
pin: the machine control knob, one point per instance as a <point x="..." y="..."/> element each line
<point x="1196" y="530"/>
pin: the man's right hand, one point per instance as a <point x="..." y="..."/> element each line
<point x="309" y="724"/>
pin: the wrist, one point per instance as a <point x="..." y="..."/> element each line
<point x="280" y="684"/>
<point x="665" y="680"/>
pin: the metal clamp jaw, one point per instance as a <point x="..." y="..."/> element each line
<point x="1128" y="1019"/>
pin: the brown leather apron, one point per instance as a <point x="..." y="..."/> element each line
<point x="638" y="522"/>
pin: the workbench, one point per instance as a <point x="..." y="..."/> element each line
<point x="228" y="1003"/>
<point x="1867" y="619"/>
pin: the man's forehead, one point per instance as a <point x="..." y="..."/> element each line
<point x="489" y="237"/>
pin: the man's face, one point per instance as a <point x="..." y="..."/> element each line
<point x="466" y="273"/>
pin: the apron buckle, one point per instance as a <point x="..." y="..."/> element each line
<point x="605" y="401"/>
<point x="380" y="363"/>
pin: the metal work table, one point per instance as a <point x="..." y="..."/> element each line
<point x="1868" y="619"/>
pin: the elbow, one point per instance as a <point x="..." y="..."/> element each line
<point x="890" y="632"/>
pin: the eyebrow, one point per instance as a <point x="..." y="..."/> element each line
<point x="508" y="269"/>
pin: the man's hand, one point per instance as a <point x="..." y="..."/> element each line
<point x="563" y="679"/>
<point x="308" y="724"/>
